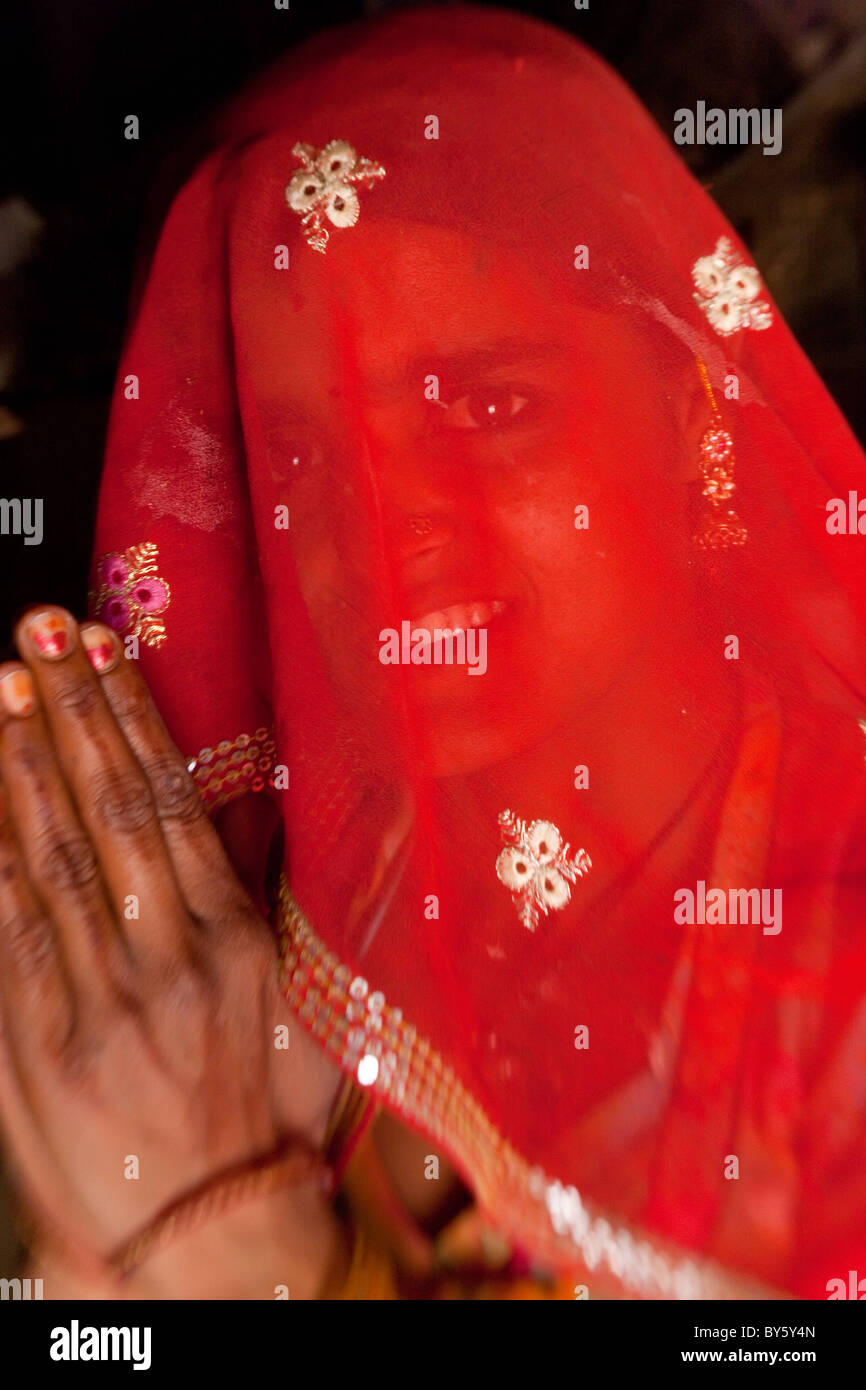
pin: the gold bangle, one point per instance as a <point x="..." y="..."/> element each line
<point x="352" y="1109"/>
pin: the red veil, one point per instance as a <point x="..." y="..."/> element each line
<point x="443" y="336"/>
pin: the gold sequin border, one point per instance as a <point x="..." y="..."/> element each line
<point x="383" y="1051"/>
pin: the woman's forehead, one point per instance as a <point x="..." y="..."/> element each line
<point x="405" y="300"/>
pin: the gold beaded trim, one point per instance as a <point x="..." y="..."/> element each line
<point x="235" y="767"/>
<point x="373" y="1042"/>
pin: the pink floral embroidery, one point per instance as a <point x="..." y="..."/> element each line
<point x="131" y="595"/>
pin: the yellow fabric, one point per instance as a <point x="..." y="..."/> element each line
<point x="392" y="1258"/>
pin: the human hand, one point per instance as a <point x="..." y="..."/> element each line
<point x="138" y="982"/>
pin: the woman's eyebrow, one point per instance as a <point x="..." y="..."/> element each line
<point x="504" y="353"/>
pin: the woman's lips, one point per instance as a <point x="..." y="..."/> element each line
<point x="457" y="617"/>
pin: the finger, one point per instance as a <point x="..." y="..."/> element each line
<point x="36" y="1003"/>
<point x="109" y="789"/>
<point x="57" y="855"/>
<point x="204" y="873"/>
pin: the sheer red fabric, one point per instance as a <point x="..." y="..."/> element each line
<point x="431" y="343"/>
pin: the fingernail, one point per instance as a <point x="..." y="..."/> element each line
<point x="100" y="644"/>
<point x="17" y="693"/>
<point x="50" y="633"/>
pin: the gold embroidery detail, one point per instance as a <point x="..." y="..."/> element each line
<point x="132" y="596"/>
<point x="234" y="768"/>
<point x="721" y="526"/>
<point x="727" y="290"/>
<point x="536" y="867"/>
<point x="323" y="188"/>
<point x="374" y="1042"/>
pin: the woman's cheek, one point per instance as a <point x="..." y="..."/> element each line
<point x="576" y="550"/>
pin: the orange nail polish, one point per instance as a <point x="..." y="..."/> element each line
<point x="17" y="693"/>
<point x="100" y="645"/>
<point x="50" y="634"/>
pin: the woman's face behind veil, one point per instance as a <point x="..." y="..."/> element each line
<point x="434" y="413"/>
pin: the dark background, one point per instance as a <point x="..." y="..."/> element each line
<point x="75" y="195"/>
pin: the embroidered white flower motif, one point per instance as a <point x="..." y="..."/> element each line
<point x="727" y="290"/>
<point x="323" y="188"/>
<point x="537" y="867"/>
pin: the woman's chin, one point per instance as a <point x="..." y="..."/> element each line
<point x="450" y="746"/>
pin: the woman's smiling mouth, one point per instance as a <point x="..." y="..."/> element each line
<point x="458" y="617"/>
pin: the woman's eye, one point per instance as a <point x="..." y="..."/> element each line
<point x="486" y="408"/>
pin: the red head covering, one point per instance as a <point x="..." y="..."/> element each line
<point x="443" y="336"/>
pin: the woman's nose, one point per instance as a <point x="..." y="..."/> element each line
<point x="418" y="499"/>
<point x="421" y="533"/>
